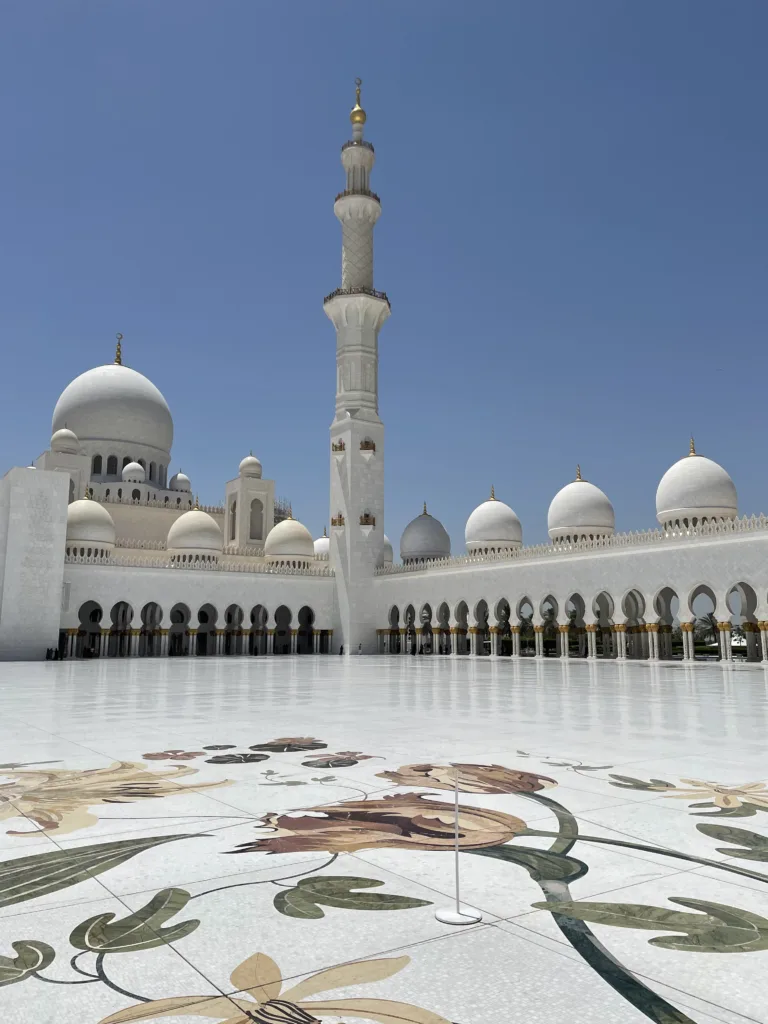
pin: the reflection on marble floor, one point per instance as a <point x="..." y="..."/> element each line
<point x="269" y="839"/>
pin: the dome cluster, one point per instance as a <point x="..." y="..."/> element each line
<point x="694" y="491"/>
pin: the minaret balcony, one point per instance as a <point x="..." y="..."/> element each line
<point x="361" y="143"/>
<point x="357" y="291"/>
<point x="367" y="449"/>
<point x="338" y="446"/>
<point x="367" y="523"/>
<point x="337" y="522"/>
<point x="358" y="192"/>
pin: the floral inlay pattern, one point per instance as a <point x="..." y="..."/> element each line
<point x="290" y="744"/>
<point x="408" y="820"/>
<point x="473" y="778"/>
<point x="58" y="799"/>
<point x="174" y="755"/>
<point x="260" y="981"/>
<point x="738" y="801"/>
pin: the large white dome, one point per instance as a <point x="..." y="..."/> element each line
<point x="115" y="403"/>
<point x="289" y="542"/>
<point x="424" y="538"/>
<point x="493" y="526"/>
<point x="580" y="511"/>
<point x="695" y="488"/>
<point x="194" y="536"/>
<point x="89" y="523"/>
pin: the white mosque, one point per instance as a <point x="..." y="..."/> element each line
<point x="104" y="551"/>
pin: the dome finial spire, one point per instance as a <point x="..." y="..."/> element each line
<point x="578" y="471"/>
<point x="493" y="494"/>
<point x="357" y="114"/>
<point x="119" y="349"/>
<point x="424" y="511"/>
<point x="325" y="534"/>
<point x="197" y="503"/>
<point x="693" y="447"/>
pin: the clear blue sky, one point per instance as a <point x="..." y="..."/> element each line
<point x="573" y="236"/>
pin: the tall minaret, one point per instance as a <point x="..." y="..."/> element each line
<point x="357" y="311"/>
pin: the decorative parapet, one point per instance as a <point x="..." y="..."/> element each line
<point x="358" y="192"/>
<point x="639" y="538"/>
<point x="358" y="291"/>
<point x="362" y="143"/>
<point x="264" y="568"/>
<point x="243" y="552"/>
<point x="171" y="506"/>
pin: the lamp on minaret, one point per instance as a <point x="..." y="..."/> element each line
<point x="357" y="311"/>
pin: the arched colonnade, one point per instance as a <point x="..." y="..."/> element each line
<point x="205" y="631"/>
<point x="704" y="624"/>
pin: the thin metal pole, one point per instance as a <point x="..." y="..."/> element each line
<point x="456" y="838"/>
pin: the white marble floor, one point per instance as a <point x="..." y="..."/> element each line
<point x="162" y="822"/>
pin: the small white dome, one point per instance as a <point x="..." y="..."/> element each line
<point x="88" y="522"/>
<point x="250" y="466"/>
<point x="134" y="473"/>
<point x="195" y="533"/>
<point x="180" y="482"/>
<point x="580" y="511"/>
<point x="289" y="540"/>
<point x="424" y="538"/>
<point x="695" y="488"/>
<point x="387" y="554"/>
<point x="65" y="441"/>
<point x="322" y="545"/>
<point x="493" y="526"/>
<point x="115" y="403"/>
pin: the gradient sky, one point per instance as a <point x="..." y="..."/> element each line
<point x="573" y="236"/>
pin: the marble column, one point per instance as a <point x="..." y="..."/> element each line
<point x="294" y="638"/>
<point x="724" y="632"/>
<point x="752" y="634"/>
<point x="515" y="633"/>
<point x="591" y="640"/>
<point x="103" y="643"/>
<point x="191" y="643"/>
<point x="403" y="641"/>
<point x="133" y="643"/>
<point x="71" y="643"/>
<point x="620" y="639"/>
<point x="163" y="643"/>
<point x="538" y="635"/>
<point x="763" y="627"/>
<point x="315" y="641"/>
<point x="564" y="632"/>
<point x="686" y="629"/>
<point x="652" y="633"/>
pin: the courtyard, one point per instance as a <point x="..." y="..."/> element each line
<point x="269" y="839"/>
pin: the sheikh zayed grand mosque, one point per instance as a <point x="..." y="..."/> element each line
<point x="105" y="552"/>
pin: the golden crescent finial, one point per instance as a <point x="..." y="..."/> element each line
<point x="578" y="471"/>
<point x="693" y="447"/>
<point x="357" y="114"/>
<point x="119" y="349"/>
<point x="493" y="494"/>
<point x="197" y="503"/>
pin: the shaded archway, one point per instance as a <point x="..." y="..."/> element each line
<point x="745" y="632"/>
<point x="633" y="607"/>
<point x="481" y="629"/>
<point x="666" y="604"/>
<point x="256" y="531"/>
<point x="525" y="625"/>
<point x="149" y="638"/>
<point x="233" y="629"/>
<point x="258" y="638"/>
<point x="425" y="625"/>
<point x="702" y="606"/>
<point x="550" y="632"/>
<point x="503" y="613"/>
<point x="394" y="630"/>
<point x="410" y="629"/>
<point x="121" y="617"/>
<point x="605" y="637"/>
<point x="461" y="629"/>
<point x="442" y="638"/>
<point x="177" y="631"/>
<point x="282" y="640"/>
<point x="304" y="635"/>
<point x="576" y="626"/>
<point x="89" y="631"/>
<point x="206" y="630"/>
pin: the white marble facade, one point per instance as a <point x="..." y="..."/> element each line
<point x="105" y="550"/>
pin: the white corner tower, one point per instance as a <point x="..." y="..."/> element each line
<point x="357" y="311"/>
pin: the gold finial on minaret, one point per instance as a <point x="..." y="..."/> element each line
<point x="197" y="503"/>
<point x="357" y="114"/>
<point x="578" y="472"/>
<point x="324" y="532"/>
<point x="693" y="447"/>
<point x="425" y="513"/>
<point x="493" y="494"/>
<point x="119" y="349"/>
